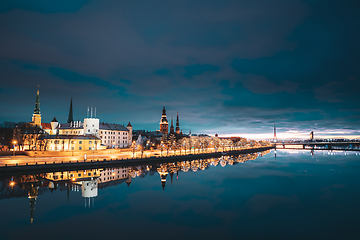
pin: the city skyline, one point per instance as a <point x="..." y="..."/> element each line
<point x="233" y="68"/>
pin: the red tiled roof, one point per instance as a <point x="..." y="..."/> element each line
<point x="46" y="125"/>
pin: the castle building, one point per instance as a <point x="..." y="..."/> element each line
<point x="111" y="135"/>
<point x="164" y="125"/>
<point x="91" y="131"/>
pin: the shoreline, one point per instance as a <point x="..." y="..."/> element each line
<point x="81" y="165"/>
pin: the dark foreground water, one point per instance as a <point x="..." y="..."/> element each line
<point x="295" y="196"/>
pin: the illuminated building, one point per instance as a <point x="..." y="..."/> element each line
<point x="68" y="142"/>
<point x="164" y="125"/>
<point x="111" y="135"/>
<point x="72" y="175"/>
<point x="113" y="174"/>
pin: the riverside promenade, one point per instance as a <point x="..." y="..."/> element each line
<point x="34" y="168"/>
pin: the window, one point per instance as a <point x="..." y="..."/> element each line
<point x="80" y="142"/>
<point x="100" y="132"/>
<point x="88" y="130"/>
<point x="89" y="174"/>
<point x="80" y="148"/>
<point x="79" y="174"/>
<point x="89" y="148"/>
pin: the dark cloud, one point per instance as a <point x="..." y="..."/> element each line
<point x="224" y="65"/>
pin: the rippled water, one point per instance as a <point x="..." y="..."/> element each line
<point x="295" y="196"/>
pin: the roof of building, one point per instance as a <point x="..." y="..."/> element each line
<point x="112" y="126"/>
<point x="46" y="125"/>
<point x="129" y="125"/>
<point x="70" y="125"/>
<point x="54" y="120"/>
<point x="89" y="137"/>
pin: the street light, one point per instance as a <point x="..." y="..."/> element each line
<point x="14" y="142"/>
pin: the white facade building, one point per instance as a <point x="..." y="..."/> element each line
<point x="113" y="174"/>
<point x="111" y="135"/>
<point x="115" y="135"/>
<point x="91" y="126"/>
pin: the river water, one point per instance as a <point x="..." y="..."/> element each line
<point x="271" y="195"/>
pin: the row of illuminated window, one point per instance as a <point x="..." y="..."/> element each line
<point x="109" y="141"/>
<point x="72" y="132"/>
<point x="109" y="173"/>
<point x="119" y="132"/>
<point x="113" y="137"/>
<point x="71" y="142"/>
<point x="71" y="175"/>
<point x="109" y="178"/>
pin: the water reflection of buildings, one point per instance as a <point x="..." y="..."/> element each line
<point x="89" y="181"/>
<point x="166" y="169"/>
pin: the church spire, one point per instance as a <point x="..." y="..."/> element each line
<point x="37" y="103"/>
<point x="36" y="118"/>
<point x="172" y="126"/>
<point x="164" y="123"/>
<point x="177" y="123"/>
<point x="71" y="118"/>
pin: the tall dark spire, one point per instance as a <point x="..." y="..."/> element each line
<point x="172" y="126"/>
<point x="71" y="118"/>
<point x="37" y="103"/>
<point x="177" y="123"/>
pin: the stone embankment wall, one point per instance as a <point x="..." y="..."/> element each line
<point x="10" y="153"/>
<point x="93" y="164"/>
<point x="73" y="153"/>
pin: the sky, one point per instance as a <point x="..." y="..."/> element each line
<point x="228" y="67"/>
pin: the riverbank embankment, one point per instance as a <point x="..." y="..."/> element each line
<point x="105" y="163"/>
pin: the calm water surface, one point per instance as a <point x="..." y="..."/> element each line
<point x="295" y="196"/>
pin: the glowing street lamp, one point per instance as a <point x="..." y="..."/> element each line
<point x="14" y="142"/>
